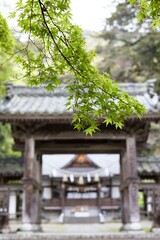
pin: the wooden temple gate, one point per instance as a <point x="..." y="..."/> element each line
<point x="50" y="138"/>
<point x="41" y="126"/>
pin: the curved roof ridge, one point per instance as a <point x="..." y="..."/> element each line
<point x="22" y="90"/>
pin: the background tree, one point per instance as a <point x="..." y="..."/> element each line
<point x="132" y="53"/>
<point x="6" y="142"/>
<point x="6" y="70"/>
<point x="6" y="47"/>
<point x="148" y="10"/>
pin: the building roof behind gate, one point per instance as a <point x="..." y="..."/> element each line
<point x="147" y="166"/>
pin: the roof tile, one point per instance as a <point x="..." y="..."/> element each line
<point x="37" y="101"/>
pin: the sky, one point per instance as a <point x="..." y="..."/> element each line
<point x="89" y="14"/>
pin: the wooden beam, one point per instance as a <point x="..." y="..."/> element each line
<point x="59" y="131"/>
<point x="71" y="135"/>
<point x="11" y="187"/>
<point x="149" y="186"/>
<point x="53" y="148"/>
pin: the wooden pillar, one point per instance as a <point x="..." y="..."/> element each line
<point x="98" y="196"/>
<point x="145" y="197"/>
<point x="63" y="189"/>
<point x="4" y="213"/>
<point x="129" y="187"/>
<point x="156" y="210"/>
<point x="32" y="188"/>
<point x="110" y="187"/>
<point x="124" y="190"/>
<point x="63" y="196"/>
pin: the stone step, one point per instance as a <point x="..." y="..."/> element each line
<point x="83" y="220"/>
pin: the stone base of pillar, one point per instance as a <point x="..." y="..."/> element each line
<point x="61" y="218"/>
<point x="28" y="227"/>
<point x="5" y="229"/>
<point x="136" y="226"/>
<point x="156" y="229"/>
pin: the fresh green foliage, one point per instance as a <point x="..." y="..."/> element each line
<point x="5" y="71"/>
<point x="6" y="48"/>
<point x="61" y="50"/>
<point x="6" y="142"/>
<point x="148" y="9"/>
<point x="6" y="38"/>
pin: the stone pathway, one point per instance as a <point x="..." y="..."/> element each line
<point x="82" y="228"/>
<point x="80" y="232"/>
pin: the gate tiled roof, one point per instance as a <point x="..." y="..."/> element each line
<point x="35" y="101"/>
<point x="23" y="102"/>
